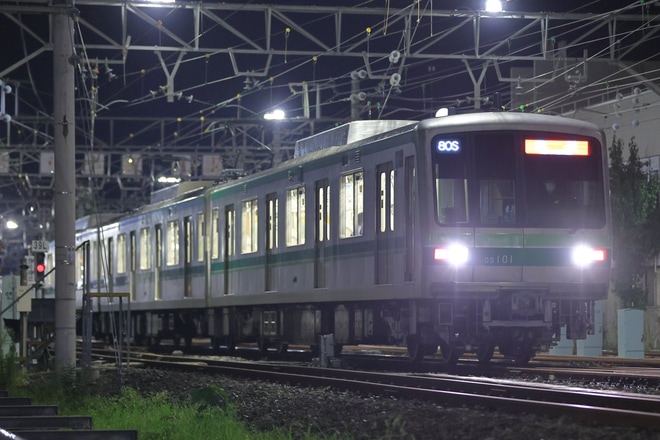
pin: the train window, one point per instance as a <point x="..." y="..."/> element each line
<point x="272" y="214"/>
<point x="386" y="191"/>
<point x="215" y="233"/>
<point x="121" y="253"/>
<point x="145" y="249"/>
<point x="187" y="239"/>
<point x="495" y="167"/>
<point x="110" y="260"/>
<point x="230" y="231"/>
<point x="249" y="234"/>
<point x="158" y="241"/>
<point x="323" y="210"/>
<point x="351" y="204"/>
<point x="450" y="169"/>
<point x="132" y="248"/>
<point x="451" y="197"/>
<point x="295" y="216"/>
<point x="564" y="191"/>
<point x="172" y="243"/>
<point x="201" y="234"/>
<point x="391" y="179"/>
<point x="80" y="267"/>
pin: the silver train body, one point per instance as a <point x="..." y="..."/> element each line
<point x="465" y="233"/>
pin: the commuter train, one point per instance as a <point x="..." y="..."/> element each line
<point x="461" y="234"/>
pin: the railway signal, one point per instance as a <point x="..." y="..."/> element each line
<point x="39" y="264"/>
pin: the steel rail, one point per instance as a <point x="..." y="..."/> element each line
<point x="584" y="406"/>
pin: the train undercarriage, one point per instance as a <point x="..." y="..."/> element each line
<point x="517" y="324"/>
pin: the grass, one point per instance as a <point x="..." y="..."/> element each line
<point x="207" y="415"/>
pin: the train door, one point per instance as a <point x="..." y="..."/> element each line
<point x="384" y="260"/>
<point x="322" y="230"/>
<point x="230" y="245"/>
<point x="271" y="240"/>
<point x="158" y="281"/>
<point x="132" y="251"/>
<point x="187" y="255"/>
<point x="410" y="191"/>
<point x="499" y="237"/>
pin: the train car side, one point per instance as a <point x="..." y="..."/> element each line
<point x="363" y="240"/>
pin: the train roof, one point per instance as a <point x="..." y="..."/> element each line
<point x="348" y="133"/>
<point x="95" y="220"/>
<point x="349" y="136"/>
<point x="178" y="190"/>
<point x="501" y="120"/>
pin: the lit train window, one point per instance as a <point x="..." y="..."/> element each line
<point x="564" y="147"/>
<point x="158" y="255"/>
<point x="249" y="234"/>
<point x="230" y="231"/>
<point x="323" y="210"/>
<point x="200" y="237"/>
<point x="351" y="204"/>
<point x="495" y="168"/>
<point x="295" y="216"/>
<point x="272" y="213"/>
<point x="450" y="176"/>
<point x="215" y="233"/>
<point x="121" y="253"/>
<point x="80" y="267"/>
<point x="172" y="243"/>
<point x="132" y="249"/>
<point x="187" y="239"/>
<point x="145" y="249"/>
<point x="563" y="182"/>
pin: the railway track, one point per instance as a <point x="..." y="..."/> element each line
<point x="580" y="405"/>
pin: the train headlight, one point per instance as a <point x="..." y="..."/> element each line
<point x="584" y="255"/>
<point x="455" y="254"/>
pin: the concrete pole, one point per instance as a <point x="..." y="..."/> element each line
<point x="65" y="188"/>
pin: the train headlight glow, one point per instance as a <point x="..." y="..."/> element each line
<point x="584" y="255"/>
<point x="455" y="254"/>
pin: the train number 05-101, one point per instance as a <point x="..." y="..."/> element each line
<point x="498" y="259"/>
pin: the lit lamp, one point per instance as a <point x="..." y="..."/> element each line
<point x="493" y="6"/>
<point x="275" y="115"/>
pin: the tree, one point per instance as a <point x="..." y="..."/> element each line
<point x="636" y="222"/>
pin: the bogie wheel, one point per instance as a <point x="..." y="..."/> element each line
<point x="450" y="352"/>
<point x="229" y="343"/>
<point x="282" y="348"/>
<point x="523" y="356"/>
<point x="485" y="352"/>
<point x="415" y="349"/>
<point x="264" y="344"/>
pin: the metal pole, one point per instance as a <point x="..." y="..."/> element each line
<point x="65" y="188"/>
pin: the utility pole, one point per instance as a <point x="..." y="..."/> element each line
<point x="65" y="185"/>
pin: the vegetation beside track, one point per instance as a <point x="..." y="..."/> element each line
<point x="207" y="415"/>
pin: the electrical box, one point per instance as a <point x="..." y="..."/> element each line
<point x="24" y="304"/>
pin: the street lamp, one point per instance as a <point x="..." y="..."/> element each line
<point x="275" y="115"/>
<point x="493" y="6"/>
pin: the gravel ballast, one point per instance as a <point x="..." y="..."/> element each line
<point x="263" y="406"/>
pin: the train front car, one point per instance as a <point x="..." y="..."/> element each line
<point x="516" y="233"/>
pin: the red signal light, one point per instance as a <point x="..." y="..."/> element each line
<point x="40" y="264"/>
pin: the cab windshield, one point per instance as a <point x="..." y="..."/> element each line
<point x="492" y="179"/>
